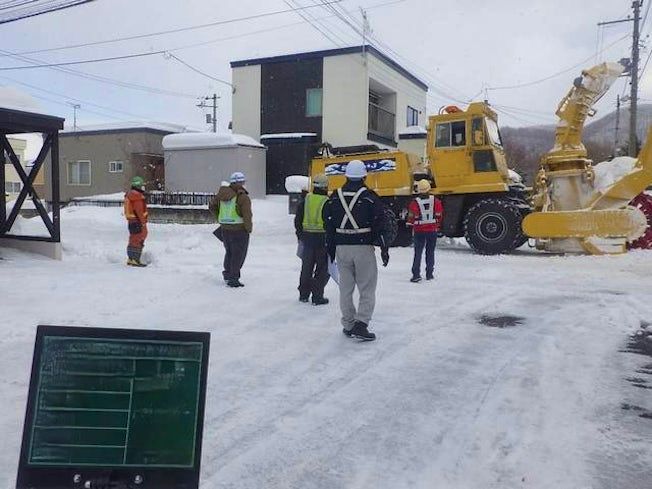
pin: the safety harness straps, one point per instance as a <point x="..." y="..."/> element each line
<point x="427" y="210"/>
<point x="348" y="215"/>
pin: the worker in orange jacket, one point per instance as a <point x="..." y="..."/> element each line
<point x="135" y="209"/>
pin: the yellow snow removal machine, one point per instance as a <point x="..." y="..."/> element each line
<point x="567" y="211"/>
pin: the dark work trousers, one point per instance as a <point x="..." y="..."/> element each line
<point x="236" y="244"/>
<point x="314" y="271"/>
<point x="421" y="241"/>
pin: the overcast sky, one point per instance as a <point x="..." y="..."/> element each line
<point x="459" y="47"/>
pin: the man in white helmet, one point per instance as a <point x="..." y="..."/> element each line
<point x="232" y="208"/>
<point x="355" y="220"/>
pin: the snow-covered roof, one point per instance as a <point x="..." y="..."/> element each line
<point x="412" y="130"/>
<point x="14" y="99"/>
<point x="127" y="126"/>
<point x="288" y="135"/>
<point x="200" y="140"/>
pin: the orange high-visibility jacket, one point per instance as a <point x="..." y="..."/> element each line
<point x="135" y="207"/>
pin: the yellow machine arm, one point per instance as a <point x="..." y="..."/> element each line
<point x="577" y="105"/>
<point x="571" y="214"/>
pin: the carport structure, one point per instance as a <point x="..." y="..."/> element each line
<point x="19" y="122"/>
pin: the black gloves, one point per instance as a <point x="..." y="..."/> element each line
<point x="384" y="255"/>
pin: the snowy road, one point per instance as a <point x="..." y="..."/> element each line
<point x="439" y="401"/>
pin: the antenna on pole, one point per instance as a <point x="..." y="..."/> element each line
<point x="74" y="117"/>
<point x="366" y="30"/>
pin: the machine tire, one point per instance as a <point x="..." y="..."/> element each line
<point x="643" y="202"/>
<point x="493" y="226"/>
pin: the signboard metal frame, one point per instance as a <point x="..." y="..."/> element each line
<point x="33" y="476"/>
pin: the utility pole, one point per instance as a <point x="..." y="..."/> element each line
<point x="617" y="123"/>
<point x="74" y="116"/>
<point x="633" y="72"/>
<point x="213" y="99"/>
<point x="633" y="140"/>
<point x="365" y="32"/>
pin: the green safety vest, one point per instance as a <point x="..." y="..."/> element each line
<point x="228" y="213"/>
<point x="313" y="222"/>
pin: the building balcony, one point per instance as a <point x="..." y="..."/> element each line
<point x="382" y="124"/>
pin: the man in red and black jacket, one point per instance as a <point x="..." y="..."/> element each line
<point x="425" y="215"/>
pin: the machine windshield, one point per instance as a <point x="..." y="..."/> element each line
<point x="494" y="134"/>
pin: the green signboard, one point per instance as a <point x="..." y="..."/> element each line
<point x="115" y="402"/>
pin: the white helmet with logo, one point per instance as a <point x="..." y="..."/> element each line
<point x="356" y="170"/>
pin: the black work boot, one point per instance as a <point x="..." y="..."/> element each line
<point x="319" y="301"/>
<point x="361" y="332"/>
<point x="303" y="298"/>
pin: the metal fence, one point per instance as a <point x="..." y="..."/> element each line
<point x="154" y="198"/>
<point x="179" y="198"/>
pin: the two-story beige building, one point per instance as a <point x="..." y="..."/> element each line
<point x="346" y="97"/>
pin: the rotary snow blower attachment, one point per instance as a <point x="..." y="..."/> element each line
<point x="579" y="208"/>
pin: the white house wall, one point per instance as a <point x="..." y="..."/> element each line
<point x="346" y="93"/>
<point x="246" y="101"/>
<point x="407" y="93"/>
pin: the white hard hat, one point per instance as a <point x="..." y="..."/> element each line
<point x="237" y="177"/>
<point x="356" y="170"/>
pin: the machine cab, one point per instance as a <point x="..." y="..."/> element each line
<point x="465" y="152"/>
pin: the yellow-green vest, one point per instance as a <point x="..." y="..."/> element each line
<point x="313" y="222"/>
<point x="228" y="213"/>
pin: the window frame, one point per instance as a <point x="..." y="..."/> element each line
<point x="321" y="101"/>
<point x="90" y="173"/>
<point x="13" y="187"/>
<point x="115" y="169"/>
<point x="411" y="111"/>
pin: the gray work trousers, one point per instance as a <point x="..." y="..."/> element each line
<point x="357" y="267"/>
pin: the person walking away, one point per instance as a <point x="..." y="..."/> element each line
<point x="311" y="232"/>
<point x="355" y="219"/>
<point x="232" y="207"/>
<point x="135" y="210"/>
<point x="425" y="215"/>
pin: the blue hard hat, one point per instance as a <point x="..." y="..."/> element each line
<point x="237" y="177"/>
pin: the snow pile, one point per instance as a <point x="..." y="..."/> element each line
<point x="412" y="131"/>
<point x="287" y="135"/>
<point x="204" y="140"/>
<point x="116" y="197"/>
<point x="14" y="99"/>
<point x="295" y="184"/>
<point x="609" y="172"/>
<point x="439" y="401"/>
<point x="126" y="126"/>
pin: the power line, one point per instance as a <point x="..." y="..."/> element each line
<point x="196" y="70"/>
<point x="67" y="97"/>
<point x="554" y="75"/>
<point x="81" y="62"/>
<point x="33" y="12"/>
<point x="173" y="31"/>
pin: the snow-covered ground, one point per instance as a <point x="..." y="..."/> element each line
<point x="438" y="401"/>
